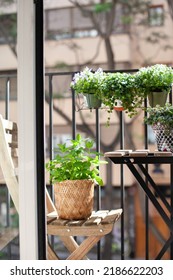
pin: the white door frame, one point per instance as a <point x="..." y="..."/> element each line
<point x="28" y="215"/>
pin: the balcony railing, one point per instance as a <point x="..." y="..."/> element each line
<point x="141" y="232"/>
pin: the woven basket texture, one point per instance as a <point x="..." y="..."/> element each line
<point x="74" y="199"/>
<point x="164" y="139"/>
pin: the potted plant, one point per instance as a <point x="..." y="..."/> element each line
<point x="74" y="171"/>
<point x="155" y="82"/>
<point x="161" y="120"/>
<point x="120" y="88"/>
<point x="88" y="83"/>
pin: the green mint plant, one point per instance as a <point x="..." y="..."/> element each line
<point x="75" y="161"/>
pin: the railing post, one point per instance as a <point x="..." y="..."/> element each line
<point x="122" y="184"/>
<point x="40" y="134"/>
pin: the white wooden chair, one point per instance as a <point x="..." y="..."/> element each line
<point x="94" y="228"/>
<point x="8" y="170"/>
<point x="8" y="165"/>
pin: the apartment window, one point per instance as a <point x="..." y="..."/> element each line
<point x="67" y="23"/>
<point x="156" y="15"/>
<point x="8" y="32"/>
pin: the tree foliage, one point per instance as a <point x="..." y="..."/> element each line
<point x="8" y="27"/>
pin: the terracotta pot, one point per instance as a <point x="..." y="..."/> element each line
<point x="118" y="106"/>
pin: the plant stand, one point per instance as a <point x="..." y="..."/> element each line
<point x="98" y="225"/>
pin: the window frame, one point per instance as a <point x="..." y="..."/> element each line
<point x="159" y="19"/>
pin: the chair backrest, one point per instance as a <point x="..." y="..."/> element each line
<point x="9" y="162"/>
<point x="8" y="152"/>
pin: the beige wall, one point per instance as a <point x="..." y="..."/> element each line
<point x="88" y="49"/>
<point x="60" y="51"/>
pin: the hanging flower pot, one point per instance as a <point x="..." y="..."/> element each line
<point x="155" y="82"/>
<point x="157" y="98"/>
<point x="164" y="138"/>
<point x="161" y="120"/>
<point x="118" y="106"/>
<point x="88" y="83"/>
<point x="92" y="101"/>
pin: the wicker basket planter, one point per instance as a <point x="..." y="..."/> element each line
<point x="74" y="199"/>
<point x="164" y="138"/>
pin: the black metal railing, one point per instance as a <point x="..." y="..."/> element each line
<point x="53" y="83"/>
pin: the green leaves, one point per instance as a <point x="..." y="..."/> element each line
<point x="158" y="77"/>
<point x="87" y="81"/>
<point x="102" y="7"/>
<point x="75" y="161"/>
<point x="89" y="144"/>
<point x="129" y="89"/>
<point x="121" y="86"/>
<point x="160" y="116"/>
